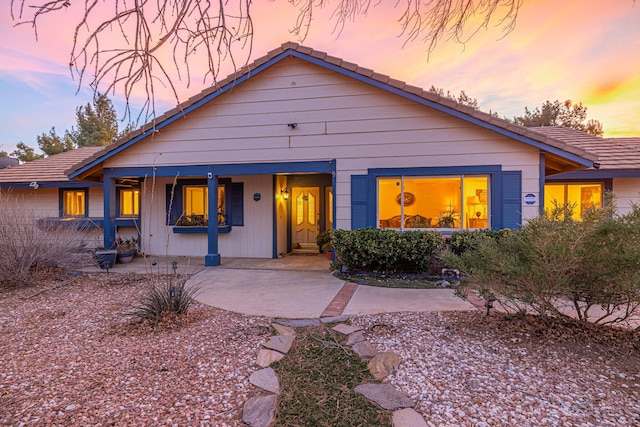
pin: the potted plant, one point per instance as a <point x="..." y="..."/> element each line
<point x="126" y="249"/>
<point x="448" y="218"/>
<point x="325" y="244"/>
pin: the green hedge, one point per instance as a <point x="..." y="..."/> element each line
<point x="386" y="251"/>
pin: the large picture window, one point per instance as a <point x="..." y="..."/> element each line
<point x="445" y="202"/>
<point x="73" y="203"/>
<point x="581" y="196"/>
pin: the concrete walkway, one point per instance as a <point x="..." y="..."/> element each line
<point x="293" y="287"/>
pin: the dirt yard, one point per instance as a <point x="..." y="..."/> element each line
<point x="70" y="356"/>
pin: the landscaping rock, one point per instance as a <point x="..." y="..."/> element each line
<point x="383" y="364"/>
<point x="260" y="411"/>
<point x="355" y="338"/>
<point x="283" y="330"/>
<point x="266" y="379"/>
<point x="365" y="349"/>
<point x="281" y="343"/>
<point x="346" y="329"/>
<point x="385" y="395"/>
<point x="266" y="357"/>
<point x="407" y="417"/>
<point x="301" y="323"/>
<point x="334" y="319"/>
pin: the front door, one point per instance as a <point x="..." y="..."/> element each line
<point x="306" y="214"/>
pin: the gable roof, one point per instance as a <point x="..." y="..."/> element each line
<point x="614" y="154"/>
<point x="50" y="169"/>
<point x="562" y="156"/>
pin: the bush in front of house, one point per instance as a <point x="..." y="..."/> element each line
<point x="386" y="251"/>
<point x="558" y="267"/>
<point x="462" y="241"/>
<point x="29" y="247"/>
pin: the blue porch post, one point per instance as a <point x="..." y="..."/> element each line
<point x="213" y="257"/>
<point x="109" y="191"/>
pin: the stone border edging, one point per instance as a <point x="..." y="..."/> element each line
<point x="259" y="411"/>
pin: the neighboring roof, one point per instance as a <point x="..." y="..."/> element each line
<point x="563" y="156"/>
<point x="613" y="153"/>
<point x="49" y="169"/>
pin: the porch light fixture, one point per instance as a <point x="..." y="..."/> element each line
<point x="284" y="193"/>
<point x="292" y="125"/>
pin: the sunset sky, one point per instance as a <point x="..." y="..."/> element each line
<point x="585" y="51"/>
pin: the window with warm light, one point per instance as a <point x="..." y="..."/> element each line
<point x="581" y="196"/>
<point x="196" y="204"/>
<point x="74" y="203"/>
<point x="444" y="202"/>
<point x="129" y="202"/>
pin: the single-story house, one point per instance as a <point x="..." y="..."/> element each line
<point x="619" y="171"/>
<point x="299" y="142"/>
<point x="43" y="191"/>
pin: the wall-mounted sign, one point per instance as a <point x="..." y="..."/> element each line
<point x="530" y="199"/>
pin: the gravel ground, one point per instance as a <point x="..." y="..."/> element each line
<point x="70" y="356"/>
<point x="466" y="369"/>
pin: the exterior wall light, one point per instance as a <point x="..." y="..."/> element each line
<point x="284" y="193"/>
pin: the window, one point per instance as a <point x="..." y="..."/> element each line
<point x="581" y="196"/>
<point x="73" y="203"/>
<point x="129" y="202"/>
<point x="196" y="205"/>
<point x="188" y="203"/>
<point x="446" y="202"/>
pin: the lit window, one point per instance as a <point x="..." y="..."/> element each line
<point x="448" y="202"/>
<point x="74" y="203"/>
<point x="196" y="205"/>
<point x="580" y="196"/>
<point x="129" y="202"/>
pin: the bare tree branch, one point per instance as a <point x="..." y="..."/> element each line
<point x="124" y="45"/>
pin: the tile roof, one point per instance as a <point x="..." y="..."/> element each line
<point x="251" y="69"/>
<point x="49" y="169"/>
<point x="613" y="153"/>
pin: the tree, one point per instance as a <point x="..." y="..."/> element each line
<point x="3" y="154"/>
<point x="463" y="98"/>
<point x="25" y="153"/>
<point x="53" y="143"/>
<point x="97" y="124"/>
<point x="124" y="44"/>
<point x="558" y="113"/>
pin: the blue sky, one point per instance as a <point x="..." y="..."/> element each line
<point x="580" y="50"/>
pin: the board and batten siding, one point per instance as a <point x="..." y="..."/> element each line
<point x="358" y="125"/>
<point x="253" y="240"/>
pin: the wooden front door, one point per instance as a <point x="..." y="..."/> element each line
<point x="306" y="214"/>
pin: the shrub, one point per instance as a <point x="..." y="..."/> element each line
<point x="559" y="267"/>
<point x="379" y="250"/>
<point x="27" y="246"/>
<point x="164" y="297"/>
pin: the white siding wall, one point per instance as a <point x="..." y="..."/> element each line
<point x="338" y="118"/>
<point x="253" y="240"/>
<point x="627" y="191"/>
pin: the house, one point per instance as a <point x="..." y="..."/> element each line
<point x="299" y="142"/>
<point x="618" y="172"/>
<point x="43" y="191"/>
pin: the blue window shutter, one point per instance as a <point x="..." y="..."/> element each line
<point x="237" y="203"/>
<point x="511" y="196"/>
<point x="358" y="201"/>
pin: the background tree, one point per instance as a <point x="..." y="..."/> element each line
<point x="558" y="113"/>
<point x="97" y="124"/>
<point x="462" y="98"/>
<point x="52" y="143"/>
<point x="24" y="153"/>
<point x="191" y="31"/>
<point x="4" y="154"/>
